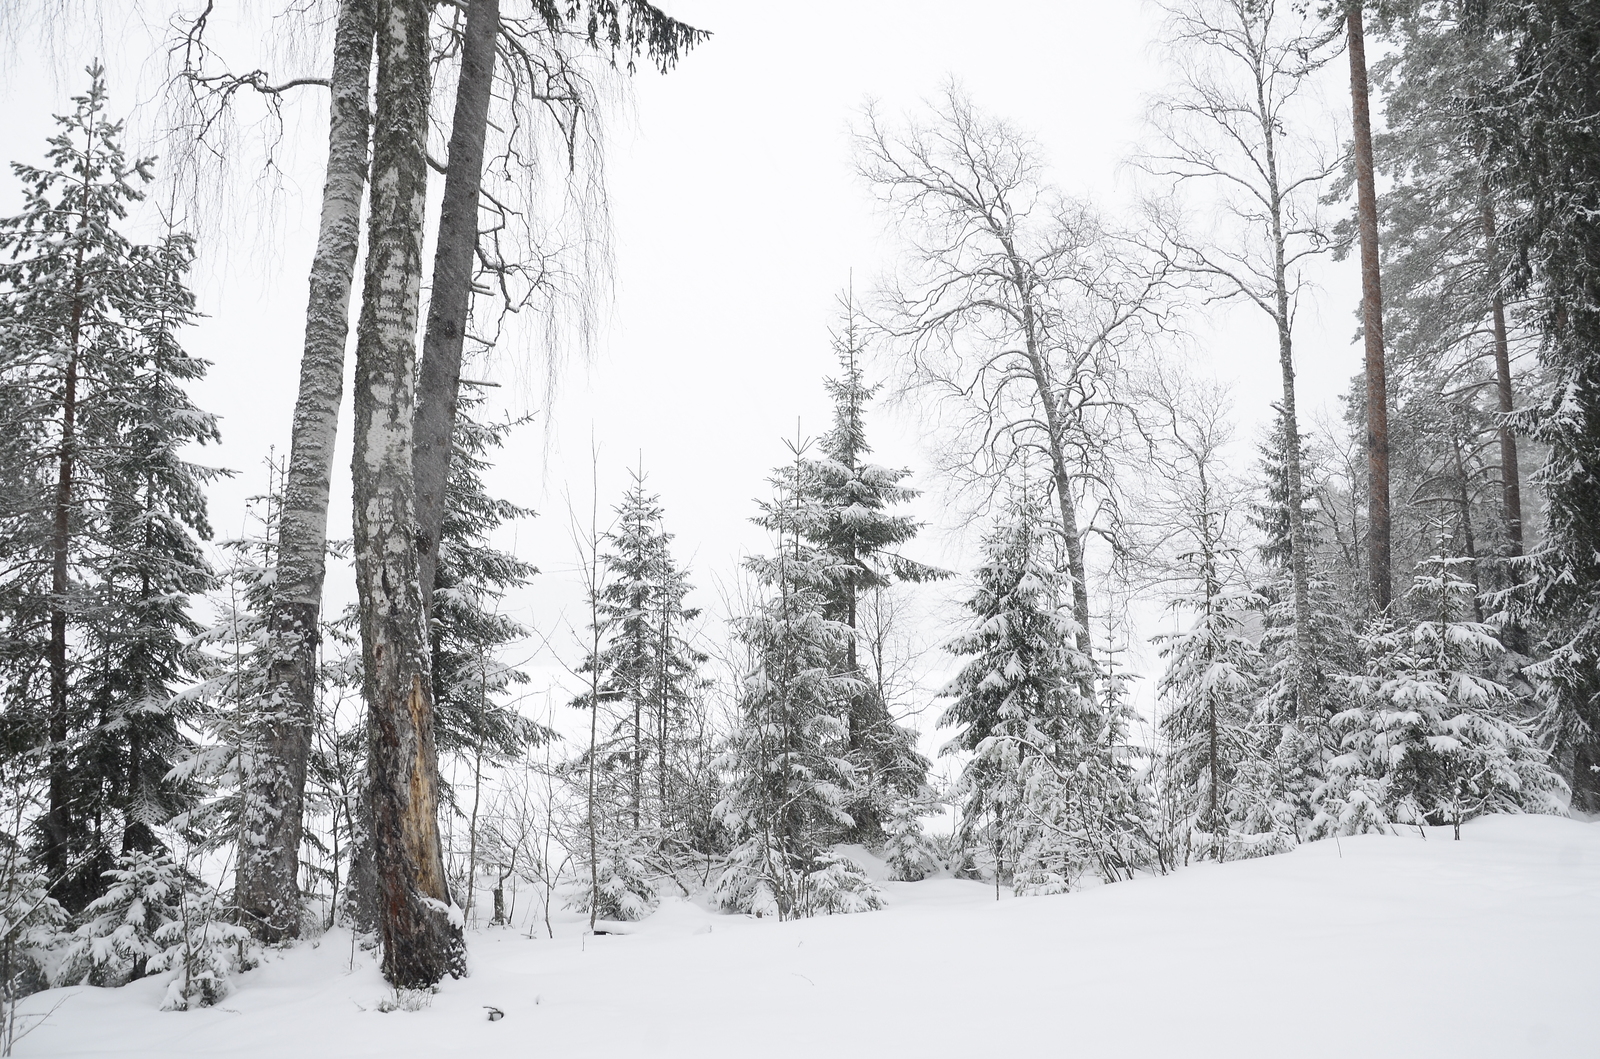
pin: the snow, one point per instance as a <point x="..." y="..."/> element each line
<point x="1371" y="946"/>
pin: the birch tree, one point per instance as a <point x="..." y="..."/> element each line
<point x="267" y="887"/>
<point x="1011" y="309"/>
<point x="419" y="926"/>
<point x="1233" y="138"/>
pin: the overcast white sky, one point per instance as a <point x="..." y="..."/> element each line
<point x="738" y="219"/>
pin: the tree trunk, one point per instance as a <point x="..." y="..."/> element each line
<point x="450" y="299"/>
<point x="57" y="823"/>
<point x="1060" y="474"/>
<point x="269" y="859"/>
<point x="1378" y="529"/>
<point x="1510" y="475"/>
<point x="419" y="928"/>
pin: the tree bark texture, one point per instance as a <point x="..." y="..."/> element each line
<point x="450" y="300"/>
<point x="269" y="855"/>
<point x="419" y="928"/>
<point x="57" y="822"/>
<point x="1378" y="527"/>
<point x="1510" y="475"/>
<point x="1061" y="476"/>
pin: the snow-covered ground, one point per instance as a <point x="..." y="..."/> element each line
<point x="1374" y="946"/>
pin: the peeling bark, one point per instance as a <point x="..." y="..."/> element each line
<point x="268" y="891"/>
<point x="419" y="928"/>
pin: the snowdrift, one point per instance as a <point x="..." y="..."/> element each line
<point x="1364" y="947"/>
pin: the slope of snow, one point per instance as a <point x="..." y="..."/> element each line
<point x="1374" y="946"/>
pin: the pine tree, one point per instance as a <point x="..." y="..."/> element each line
<point x="789" y="777"/>
<point x="1446" y="327"/>
<point x="858" y="531"/>
<point x="1544" y="154"/>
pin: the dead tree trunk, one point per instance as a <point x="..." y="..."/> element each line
<point x="269" y="858"/>
<point x="450" y="300"/>
<point x="419" y="928"/>
<point x="1378" y="528"/>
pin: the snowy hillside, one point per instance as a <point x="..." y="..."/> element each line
<point x="1371" y="946"/>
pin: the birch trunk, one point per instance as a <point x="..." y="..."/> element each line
<point x="1378" y="528"/>
<point x="419" y="928"/>
<point x="1056" y="428"/>
<point x="1294" y="480"/>
<point x="269" y="856"/>
<point x="450" y="300"/>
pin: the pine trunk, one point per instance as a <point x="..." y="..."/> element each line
<point x="1510" y="475"/>
<point x="450" y="299"/>
<point x="421" y="942"/>
<point x="1378" y="528"/>
<point x="269" y="858"/>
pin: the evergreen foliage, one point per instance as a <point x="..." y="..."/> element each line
<point x="1545" y="155"/>
<point x="1433" y="737"/>
<point x="469" y="634"/>
<point x="789" y="776"/>
<point x="857" y="530"/>
<point x="1045" y="791"/>
<point x="107" y="548"/>
<point x="157" y="917"/>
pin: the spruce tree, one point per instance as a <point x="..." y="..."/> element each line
<point x="790" y="778"/>
<point x="139" y="632"/>
<point x="468" y="632"/>
<point x="1544" y="153"/>
<point x="1296" y="699"/>
<point x="1025" y="794"/>
<point x="857" y="530"/>
<point x="1432" y="736"/>
<point x="645" y="673"/>
<point x="106" y="550"/>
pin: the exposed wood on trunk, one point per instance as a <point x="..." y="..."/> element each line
<point x="421" y="942"/>
<point x="1378" y="527"/>
<point x="267" y="878"/>
<point x="450" y="298"/>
